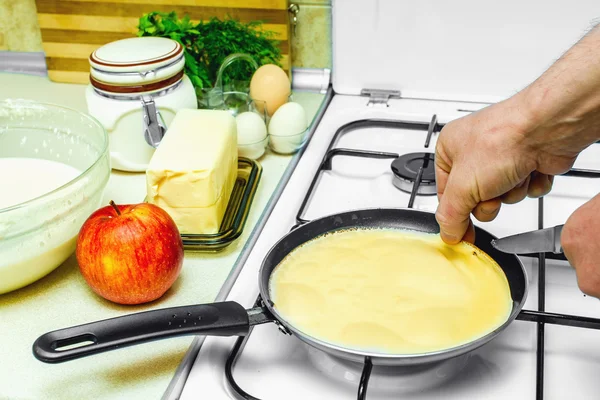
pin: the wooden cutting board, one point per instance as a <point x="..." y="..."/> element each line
<point x="73" y="29"/>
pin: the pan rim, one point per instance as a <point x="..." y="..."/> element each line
<point x="436" y="355"/>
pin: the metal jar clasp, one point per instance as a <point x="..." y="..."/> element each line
<point x="154" y="126"/>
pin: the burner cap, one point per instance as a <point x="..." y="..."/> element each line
<point x="406" y="168"/>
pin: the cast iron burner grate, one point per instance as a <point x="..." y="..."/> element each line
<point x="415" y="168"/>
<point x="540" y="317"/>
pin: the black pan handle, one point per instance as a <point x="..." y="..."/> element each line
<point x="218" y="319"/>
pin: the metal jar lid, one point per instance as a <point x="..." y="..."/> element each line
<point x="136" y="61"/>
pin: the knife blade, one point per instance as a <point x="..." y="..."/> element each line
<point x="543" y="240"/>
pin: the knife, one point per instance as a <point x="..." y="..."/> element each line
<point x="540" y="241"/>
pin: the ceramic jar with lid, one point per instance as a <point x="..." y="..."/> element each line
<point x="137" y="85"/>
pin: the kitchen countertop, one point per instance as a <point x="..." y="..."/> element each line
<point x="63" y="299"/>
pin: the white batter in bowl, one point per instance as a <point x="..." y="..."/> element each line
<point x="54" y="166"/>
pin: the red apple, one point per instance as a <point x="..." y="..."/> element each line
<point x="130" y="254"/>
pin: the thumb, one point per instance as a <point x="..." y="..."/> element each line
<point x="453" y="212"/>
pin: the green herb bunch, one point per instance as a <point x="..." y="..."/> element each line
<point x="206" y="44"/>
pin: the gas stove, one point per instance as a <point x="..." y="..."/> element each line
<point x="370" y="148"/>
<point x="348" y="164"/>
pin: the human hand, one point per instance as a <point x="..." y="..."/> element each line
<point x="496" y="155"/>
<point x="513" y="148"/>
<point x="581" y="245"/>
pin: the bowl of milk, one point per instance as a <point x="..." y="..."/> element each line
<point x="54" y="164"/>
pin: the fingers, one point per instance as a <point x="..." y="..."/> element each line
<point x="454" y="210"/>
<point x="441" y="177"/>
<point x="470" y="234"/>
<point x="442" y="169"/>
<point x="540" y="185"/>
<point x="453" y="215"/>
<point x="535" y="185"/>
<point x="486" y="211"/>
<point x="454" y="221"/>
<point x="518" y="193"/>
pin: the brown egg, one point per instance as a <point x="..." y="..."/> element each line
<point x="270" y="84"/>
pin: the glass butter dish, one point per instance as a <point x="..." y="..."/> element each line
<point x="236" y="214"/>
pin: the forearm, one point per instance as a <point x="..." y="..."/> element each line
<point x="564" y="109"/>
<point x="563" y="105"/>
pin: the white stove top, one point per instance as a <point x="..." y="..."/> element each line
<point x="272" y="365"/>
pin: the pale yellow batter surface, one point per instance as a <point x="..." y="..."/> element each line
<point x="390" y="291"/>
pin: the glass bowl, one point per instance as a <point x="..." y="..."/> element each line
<point x="58" y="162"/>
<point x="234" y="102"/>
<point x="253" y="151"/>
<point x="288" y="144"/>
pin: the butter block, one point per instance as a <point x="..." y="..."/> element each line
<point x="192" y="172"/>
<point x="197" y="219"/>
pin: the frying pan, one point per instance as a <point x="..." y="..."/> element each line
<point x="230" y="318"/>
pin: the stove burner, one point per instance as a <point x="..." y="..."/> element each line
<point x="406" y="168"/>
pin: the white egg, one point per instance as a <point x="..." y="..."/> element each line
<point x="288" y="120"/>
<point x="251" y="128"/>
<point x="252" y="135"/>
<point x="287" y="128"/>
